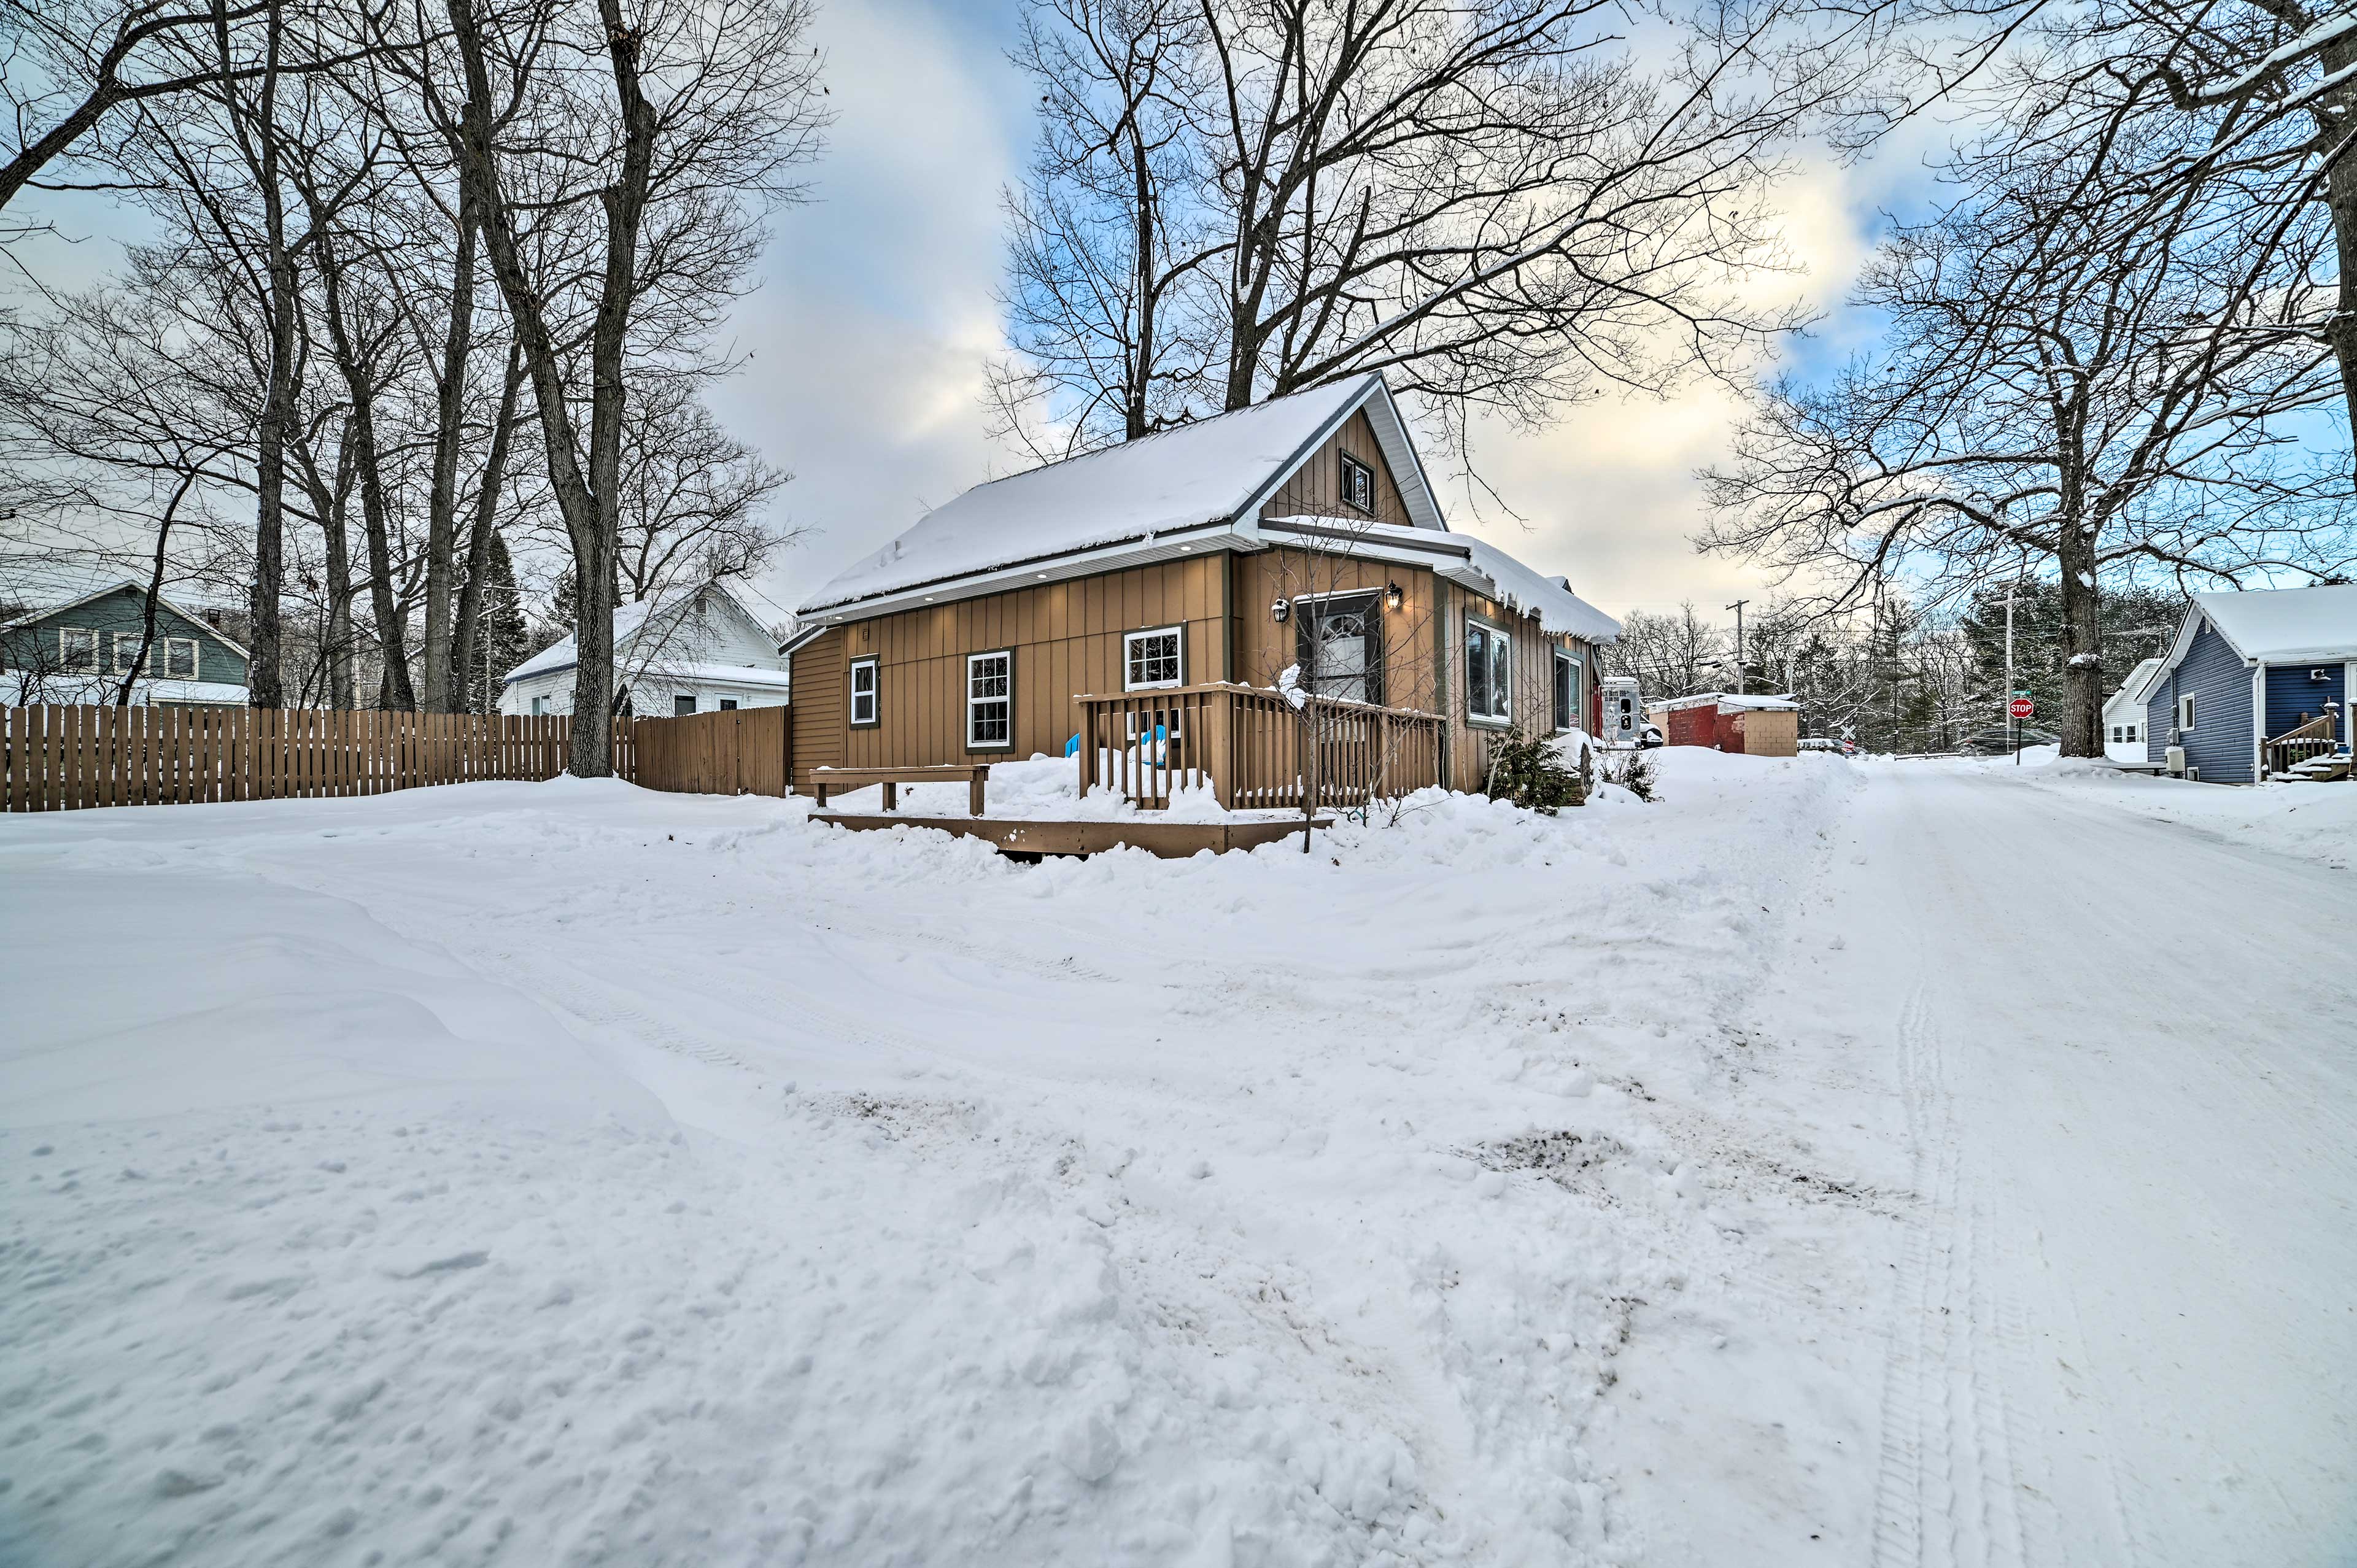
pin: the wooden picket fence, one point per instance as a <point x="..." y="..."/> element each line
<point x="57" y="758"/>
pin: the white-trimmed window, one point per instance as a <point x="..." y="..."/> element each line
<point x="2185" y="711"/>
<point x="2132" y="732"/>
<point x="179" y="658"/>
<point x="990" y="700"/>
<point x="539" y="707"/>
<point x="1358" y="485"/>
<point x="683" y="705"/>
<point x="1152" y="659"/>
<point x="126" y="652"/>
<point x="2119" y="735"/>
<point x="865" y="679"/>
<point x="1567" y="692"/>
<point x="727" y="705"/>
<point x="1489" y="674"/>
<point x="78" y="651"/>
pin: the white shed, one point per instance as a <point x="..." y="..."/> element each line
<point x="699" y="652"/>
<point x="2123" y="715"/>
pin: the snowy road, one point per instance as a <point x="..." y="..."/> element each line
<point x="1827" y="1166"/>
<point x="2126" y="1319"/>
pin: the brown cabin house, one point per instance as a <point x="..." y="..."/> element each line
<point x="1155" y="597"/>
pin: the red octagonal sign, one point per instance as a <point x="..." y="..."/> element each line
<point x="2021" y="707"/>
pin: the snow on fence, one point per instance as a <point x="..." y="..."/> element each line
<point x="57" y="758"/>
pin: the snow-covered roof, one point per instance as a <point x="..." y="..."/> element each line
<point x="2134" y="690"/>
<point x="723" y="674"/>
<point x="1211" y="472"/>
<point x="628" y="620"/>
<point x="566" y="654"/>
<point x="1550" y="598"/>
<point x="1727" y="702"/>
<point x="2283" y="625"/>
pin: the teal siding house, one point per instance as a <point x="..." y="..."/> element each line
<point x="81" y="652"/>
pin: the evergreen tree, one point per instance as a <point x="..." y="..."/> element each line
<point x="505" y="639"/>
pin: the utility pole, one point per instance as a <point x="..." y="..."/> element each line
<point x="1742" y="679"/>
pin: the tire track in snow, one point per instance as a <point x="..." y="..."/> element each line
<point x="1948" y="1489"/>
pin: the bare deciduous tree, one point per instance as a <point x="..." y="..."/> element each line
<point x="2052" y="394"/>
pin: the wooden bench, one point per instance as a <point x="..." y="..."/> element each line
<point x="973" y="774"/>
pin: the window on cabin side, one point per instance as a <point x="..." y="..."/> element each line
<point x="682" y="706"/>
<point x="78" y="651"/>
<point x="2185" y="711"/>
<point x="1150" y="659"/>
<point x="864" y="678"/>
<point x="989" y="700"/>
<point x="1489" y="673"/>
<point x="727" y="705"/>
<point x="1358" y="485"/>
<point x="180" y="657"/>
<point x="1567" y="692"/>
<point x="126" y="652"/>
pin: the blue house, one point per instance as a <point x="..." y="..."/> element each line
<point x="2245" y="669"/>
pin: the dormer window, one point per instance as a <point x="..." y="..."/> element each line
<point x="1358" y="485"/>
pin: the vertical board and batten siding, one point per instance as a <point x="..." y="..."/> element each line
<point x="1066" y="638"/>
<point x="1531" y="702"/>
<point x="2222" y="744"/>
<point x="2291" y="695"/>
<point x="822" y="677"/>
<point x="1263" y="648"/>
<point x="1315" y="489"/>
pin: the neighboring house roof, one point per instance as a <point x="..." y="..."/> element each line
<point x="2134" y="691"/>
<point x="2275" y="626"/>
<point x="1215" y="470"/>
<point x="733" y="674"/>
<point x="630" y="619"/>
<point x="124" y="584"/>
<point x="1727" y="701"/>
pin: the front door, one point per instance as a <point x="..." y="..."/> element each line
<point x="1340" y="646"/>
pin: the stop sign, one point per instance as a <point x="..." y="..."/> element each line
<point x="2021" y="707"/>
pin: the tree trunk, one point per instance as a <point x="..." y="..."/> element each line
<point x="442" y="501"/>
<point x="154" y="592"/>
<point x="398" y="692"/>
<point x="479" y="542"/>
<point x="588" y="502"/>
<point x="2082" y="639"/>
<point x="265" y="676"/>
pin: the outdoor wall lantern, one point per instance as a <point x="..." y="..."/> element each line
<point x="1392" y="597"/>
<point x="1279" y="610"/>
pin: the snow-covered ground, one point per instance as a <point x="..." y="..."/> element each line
<point x="1830" y="1164"/>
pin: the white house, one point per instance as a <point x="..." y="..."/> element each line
<point x="698" y="651"/>
<point x="2123" y="739"/>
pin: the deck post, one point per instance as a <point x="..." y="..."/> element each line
<point x="973" y="792"/>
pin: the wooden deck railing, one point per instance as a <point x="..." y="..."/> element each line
<point x="1248" y="744"/>
<point x="2296" y="745"/>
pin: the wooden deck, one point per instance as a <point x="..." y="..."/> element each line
<point x="1029" y="839"/>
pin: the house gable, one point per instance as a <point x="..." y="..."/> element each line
<point x="1314" y="487"/>
<point x="31" y="642"/>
